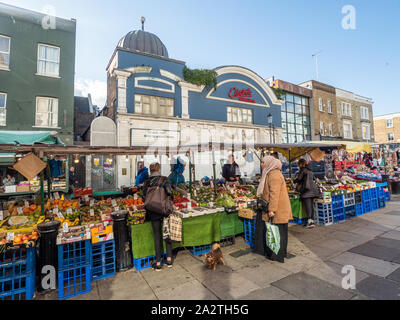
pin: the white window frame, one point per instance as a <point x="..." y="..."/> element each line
<point x="4" y="66"/>
<point x="231" y="111"/>
<point x="154" y="104"/>
<point x="321" y="104"/>
<point x="52" y="112"/>
<point x="390" y="133"/>
<point x="351" y="130"/>
<point x="391" y="125"/>
<point x="5" y="109"/>
<point x="331" y="129"/>
<point x="346" y="109"/>
<point x="321" y="128"/>
<point x="38" y="59"/>
<point x="364" y="112"/>
<point x="366" y="125"/>
<point x="329" y="106"/>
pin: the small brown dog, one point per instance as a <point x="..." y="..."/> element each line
<point x="214" y="257"/>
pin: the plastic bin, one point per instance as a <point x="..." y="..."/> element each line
<point x="16" y="262"/>
<point x="249" y="231"/>
<point x="74" y="254"/>
<point x="200" y="250"/>
<point x="73" y="282"/>
<point x="47" y="248"/>
<point x="103" y="260"/>
<point x="18" y="288"/>
<point x="123" y="251"/>
<point x="147" y="262"/>
<point x="323" y="214"/>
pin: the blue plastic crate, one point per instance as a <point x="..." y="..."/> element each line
<point x="74" y="254"/>
<point x="337" y="201"/>
<point x="381" y="192"/>
<point x="382" y="202"/>
<point x="366" y="195"/>
<point x="103" y="260"/>
<point x="387" y="196"/>
<point x="339" y="214"/>
<point x="366" y="207"/>
<point x="73" y="282"/>
<point x="147" y="262"/>
<point x="323" y="214"/>
<point x="374" y="193"/>
<point x="18" y="288"/>
<point x="298" y="221"/>
<point x="200" y="250"/>
<point x="374" y="204"/>
<point x="249" y="231"/>
<point x="15" y="262"/>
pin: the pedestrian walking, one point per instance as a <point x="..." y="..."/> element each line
<point x="272" y="189"/>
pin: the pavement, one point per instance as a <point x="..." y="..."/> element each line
<point x="367" y="247"/>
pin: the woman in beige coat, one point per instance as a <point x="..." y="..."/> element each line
<point x="272" y="188"/>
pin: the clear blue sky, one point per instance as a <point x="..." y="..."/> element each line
<point x="270" y="37"/>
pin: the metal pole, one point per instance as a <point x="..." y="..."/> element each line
<point x="290" y="164"/>
<point x="190" y="176"/>
<point x="48" y="178"/>
<point x="42" y="193"/>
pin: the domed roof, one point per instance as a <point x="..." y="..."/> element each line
<point x="145" y="42"/>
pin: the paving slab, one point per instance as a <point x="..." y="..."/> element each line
<point x="395" y="235"/>
<point x="370" y="231"/>
<point x="393" y="213"/>
<point x="389" y="243"/>
<point x="229" y="286"/>
<point x="307" y="287"/>
<point x="129" y="285"/>
<point x="332" y="272"/>
<point x="303" y="236"/>
<point x="322" y="253"/>
<point x="349" y="237"/>
<point x="395" y="276"/>
<point x="192" y="290"/>
<point x="264" y="274"/>
<point x="366" y="264"/>
<point x="268" y="293"/>
<point x="378" y="252"/>
<point x="379" y="288"/>
<point x="166" y="278"/>
<point x="297" y="264"/>
<point x="334" y="244"/>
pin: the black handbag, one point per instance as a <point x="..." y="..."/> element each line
<point x="262" y="205"/>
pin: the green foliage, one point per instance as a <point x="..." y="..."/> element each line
<point x="279" y="92"/>
<point x="200" y="77"/>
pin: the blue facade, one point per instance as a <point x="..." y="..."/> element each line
<point x="209" y="104"/>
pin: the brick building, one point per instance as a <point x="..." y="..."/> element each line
<point x="325" y="111"/>
<point x="387" y="128"/>
<point x="355" y="116"/>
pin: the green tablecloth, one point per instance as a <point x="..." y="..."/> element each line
<point x="196" y="231"/>
<point x="298" y="209"/>
<point x="231" y="225"/>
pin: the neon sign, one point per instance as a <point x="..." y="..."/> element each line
<point x="242" y="95"/>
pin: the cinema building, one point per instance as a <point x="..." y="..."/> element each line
<point x="152" y="104"/>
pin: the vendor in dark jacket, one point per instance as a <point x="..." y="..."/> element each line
<point x="157" y="219"/>
<point x="307" y="188"/>
<point x="231" y="171"/>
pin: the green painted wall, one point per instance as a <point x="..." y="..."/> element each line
<point x="23" y="86"/>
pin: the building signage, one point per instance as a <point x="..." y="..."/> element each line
<point x="155" y="138"/>
<point x="244" y="95"/>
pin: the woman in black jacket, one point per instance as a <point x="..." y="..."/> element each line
<point x="307" y="188"/>
<point x="157" y="219"/>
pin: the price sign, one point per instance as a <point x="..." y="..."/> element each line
<point x="91" y="202"/>
<point x="105" y="223"/>
<point x="86" y="198"/>
<point x="212" y="184"/>
<point x="1" y="215"/>
<point x="135" y="196"/>
<point x="59" y="215"/>
<point x="26" y="204"/>
<point x="19" y="210"/>
<point x="56" y="196"/>
<point x="211" y="204"/>
<point x="88" y="235"/>
<point x="91" y="212"/>
<point x="65" y="227"/>
<point x="114" y="203"/>
<point x="69" y="210"/>
<point x="116" y="208"/>
<point x="10" y="236"/>
<point x="134" y="208"/>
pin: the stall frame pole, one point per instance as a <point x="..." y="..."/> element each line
<point x="214" y="173"/>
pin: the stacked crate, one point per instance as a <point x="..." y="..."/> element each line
<point x="74" y="268"/>
<point x="103" y="260"/>
<point x="17" y="273"/>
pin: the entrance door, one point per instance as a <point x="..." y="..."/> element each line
<point x="103" y="173"/>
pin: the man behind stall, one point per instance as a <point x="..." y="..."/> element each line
<point x="231" y="171"/>
<point x="142" y="175"/>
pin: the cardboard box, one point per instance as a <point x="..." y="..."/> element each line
<point x="29" y="166"/>
<point x="24" y="188"/>
<point x="247" y="213"/>
<point x="101" y="234"/>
